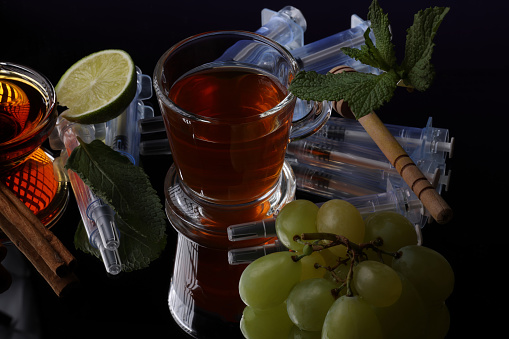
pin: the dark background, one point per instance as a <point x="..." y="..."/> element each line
<point x="466" y="98"/>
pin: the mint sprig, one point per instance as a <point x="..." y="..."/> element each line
<point x="127" y="189"/>
<point x="365" y="92"/>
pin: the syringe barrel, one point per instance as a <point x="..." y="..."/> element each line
<point x="155" y="147"/>
<point x="67" y="132"/>
<point x="252" y="230"/>
<point x="286" y="26"/>
<point x="123" y="133"/>
<point x="323" y="55"/>
<point x="430" y="142"/>
<point x="151" y="125"/>
<point x="248" y="254"/>
<point x="341" y="183"/>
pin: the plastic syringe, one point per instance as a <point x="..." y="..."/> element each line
<point x="401" y="200"/>
<point x="286" y="27"/>
<point x="122" y="133"/>
<point x="95" y="230"/>
<point x="346" y="181"/>
<point x="353" y="162"/>
<point x="324" y="54"/>
<point x="98" y="217"/>
<point x="246" y="255"/>
<point x="430" y="142"/>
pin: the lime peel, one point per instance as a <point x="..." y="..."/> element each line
<point x="98" y="87"/>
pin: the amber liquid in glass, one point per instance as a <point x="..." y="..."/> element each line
<point x="21" y="108"/>
<point x="238" y="157"/>
<point x="28" y="169"/>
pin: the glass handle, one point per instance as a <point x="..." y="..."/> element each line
<point x="308" y="118"/>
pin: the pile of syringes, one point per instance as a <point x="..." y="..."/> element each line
<point x="340" y="160"/>
<point x="121" y="134"/>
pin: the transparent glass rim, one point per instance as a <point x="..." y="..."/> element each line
<point x="158" y="72"/>
<point x="39" y="81"/>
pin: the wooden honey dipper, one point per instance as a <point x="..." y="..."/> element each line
<point x="415" y="179"/>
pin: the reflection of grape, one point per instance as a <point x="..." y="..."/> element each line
<point x="395" y="230"/>
<point x="309" y="302"/>
<point x="438" y="322"/>
<point x="268" y="280"/>
<point x="342" y="218"/>
<point x="406" y="318"/>
<point x="270" y="323"/>
<point x="296" y="217"/>
<point x="351" y="318"/>
<point x="428" y="271"/>
<point x="297" y="333"/>
<point x="377" y="283"/>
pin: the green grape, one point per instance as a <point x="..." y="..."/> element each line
<point x="438" y="322"/>
<point x="295" y="218"/>
<point x="267" y="281"/>
<point x="309" y="302"/>
<point x="297" y="333"/>
<point x="428" y="271"/>
<point x="308" y="266"/>
<point x="342" y="218"/>
<point x="351" y="318"/>
<point x="270" y="323"/>
<point x="395" y="230"/>
<point x="406" y="318"/>
<point x="377" y="283"/>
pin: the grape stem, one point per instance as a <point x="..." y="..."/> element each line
<point x="355" y="252"/>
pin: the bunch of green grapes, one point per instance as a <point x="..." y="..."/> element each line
<point x="373" y="281"/>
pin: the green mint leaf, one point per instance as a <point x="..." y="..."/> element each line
<point x="367" y="92"/>
<point x="127" y="189"/>
<point x="381" y="29"/>
<point x="417" y="67"/>
<point x="364" y="92"/>
<point x="367" y="54"/>
<point x="382" y="55"/>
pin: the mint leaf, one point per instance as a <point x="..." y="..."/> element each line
<point x="127" y="189"/>
<point x="417" y="67"/>
<point x="367" y="92"/>
<point x="371" y="93"/>
<point x="363" y="92"/>
<point x="381" y="29"/>
<point x="367" y="54"/>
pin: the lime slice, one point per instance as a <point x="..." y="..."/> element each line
<point x="98" y="87"/>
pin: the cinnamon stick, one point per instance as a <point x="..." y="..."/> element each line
<point x="59" y="284"/>
<point x="26" y="213"/>
<point x="41" y="247"/>
<point x="405" y="166"/>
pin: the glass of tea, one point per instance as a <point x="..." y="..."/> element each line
<point x="27" y="113"/>
<point x="228" y="114"/>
